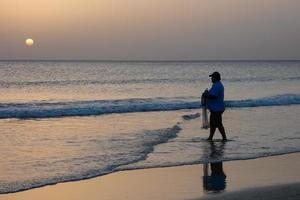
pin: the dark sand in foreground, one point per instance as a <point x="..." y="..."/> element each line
<point x="276" y="177"/>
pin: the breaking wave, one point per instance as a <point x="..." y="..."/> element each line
<point x="44" y="109"/>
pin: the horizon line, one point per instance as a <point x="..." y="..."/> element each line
<point x="150" y="60"/>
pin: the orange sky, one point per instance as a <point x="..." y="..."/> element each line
<point x="156" y="29"/>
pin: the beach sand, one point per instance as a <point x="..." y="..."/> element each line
<point x="276" y="177"/>
<point x="278" y="192"/>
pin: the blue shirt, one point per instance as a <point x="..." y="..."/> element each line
<point x="216" y="105"/>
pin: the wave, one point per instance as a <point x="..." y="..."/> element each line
<point x="278" y="100"/>
<point x="49" y="109"/>
<point x="261" y="79"/>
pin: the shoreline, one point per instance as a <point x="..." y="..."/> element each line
<point x="179" y="182"/>
<point x="125" y="170"/>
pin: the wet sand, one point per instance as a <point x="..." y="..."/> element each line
<point x="278" y="192"/>
<point x="276" y="177"/>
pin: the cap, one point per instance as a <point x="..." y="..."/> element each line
<point x="217" y="75"/>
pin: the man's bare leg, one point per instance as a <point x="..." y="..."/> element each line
<point x="212" y="132"/>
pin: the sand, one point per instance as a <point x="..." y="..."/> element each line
<point x="276" y="177"/>
<point x="278" y="192"/>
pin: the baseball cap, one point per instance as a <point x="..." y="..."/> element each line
<point x="217" y="75"/>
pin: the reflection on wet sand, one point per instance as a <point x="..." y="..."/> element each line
<point x="214" y="178"/>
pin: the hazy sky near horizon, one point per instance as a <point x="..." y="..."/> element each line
<point x="150" y="29"/>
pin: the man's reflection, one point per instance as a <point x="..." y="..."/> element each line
<point x="214" y="178"/>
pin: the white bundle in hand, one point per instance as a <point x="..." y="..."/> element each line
<point x="205" y="123"/>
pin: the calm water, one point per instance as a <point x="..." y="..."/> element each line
<point x="63" y="121"/>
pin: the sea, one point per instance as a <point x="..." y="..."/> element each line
<point x="72" y="120"/>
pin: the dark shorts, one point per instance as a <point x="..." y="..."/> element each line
<point x="215" y="119"/>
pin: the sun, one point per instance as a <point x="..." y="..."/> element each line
<point x="29" y="42"/>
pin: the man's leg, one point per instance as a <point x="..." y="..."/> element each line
<point x="212" y="132"/>
<point x="222" y="131"/>
<point x="220" y="125"/>
<point x="212" y="127"/>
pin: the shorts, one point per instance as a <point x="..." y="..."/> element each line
<point x="215" y="119"/>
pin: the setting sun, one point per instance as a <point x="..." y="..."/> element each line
<point x="29" y="42"/>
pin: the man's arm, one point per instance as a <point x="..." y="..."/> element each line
<point x="209" y="96"/>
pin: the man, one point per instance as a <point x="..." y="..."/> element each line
<point x="215" y="104"/>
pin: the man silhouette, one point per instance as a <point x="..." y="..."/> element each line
<point x="216" y="106"/>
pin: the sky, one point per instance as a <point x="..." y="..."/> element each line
<point x="150" y="29"/>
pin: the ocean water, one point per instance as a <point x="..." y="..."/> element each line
<point x="63" y="121"/>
